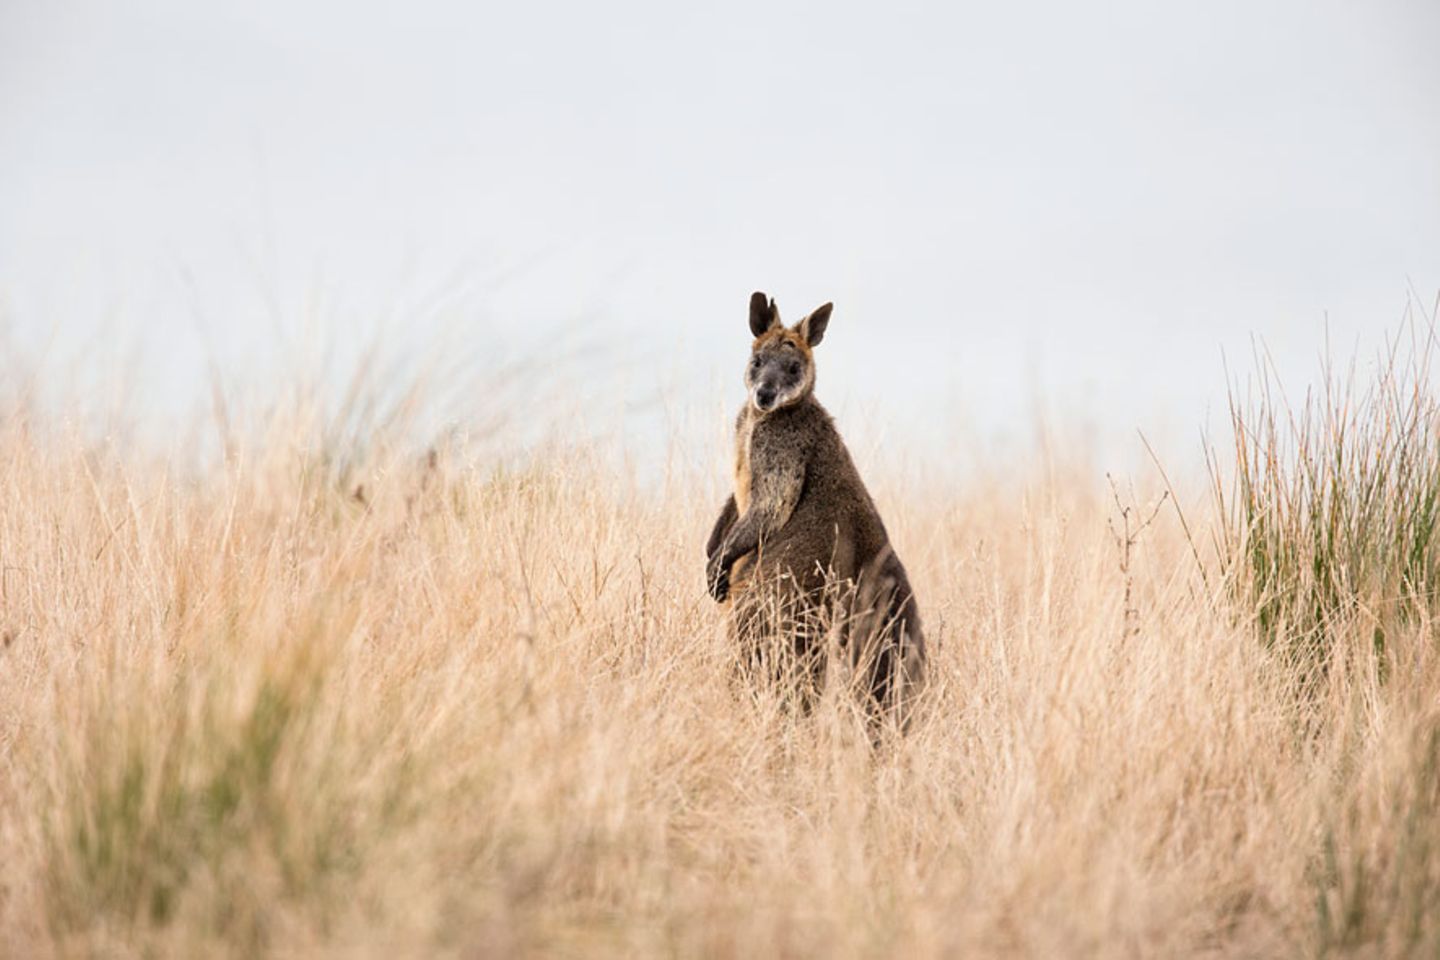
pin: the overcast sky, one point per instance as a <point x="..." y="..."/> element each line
<point x="1085" y="201"/>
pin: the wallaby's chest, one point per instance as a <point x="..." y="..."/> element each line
<point x="744" y="435"/>
<point x="762" y="448"/>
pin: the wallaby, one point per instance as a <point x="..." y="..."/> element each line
<point x="801" y="535"/>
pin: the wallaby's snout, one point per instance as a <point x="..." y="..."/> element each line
<point x="778" y="374"/>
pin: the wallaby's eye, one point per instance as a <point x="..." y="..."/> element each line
<point x="794" y="368"/>
<point x="754" y="363"/>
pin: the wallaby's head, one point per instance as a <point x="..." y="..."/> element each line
<point x="781" y="371"/>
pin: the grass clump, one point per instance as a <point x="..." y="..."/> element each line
<point x="1330" y="522"/>
<point x="210" y="799"/>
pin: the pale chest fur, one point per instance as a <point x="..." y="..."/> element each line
<point x="744" y="433"/>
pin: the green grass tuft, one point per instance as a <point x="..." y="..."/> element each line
<point x="147" y="818"/>
<point x="1329" y="519"/>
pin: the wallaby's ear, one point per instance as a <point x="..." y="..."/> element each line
<point x="763" y="314"/>
<point x="812" y="328"/>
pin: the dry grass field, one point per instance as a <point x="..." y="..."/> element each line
<point x="438" y="707"/>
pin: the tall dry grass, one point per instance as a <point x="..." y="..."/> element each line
<point x="446" y="708"/>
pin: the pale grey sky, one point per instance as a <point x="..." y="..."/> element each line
<point x="1085" y="200"/>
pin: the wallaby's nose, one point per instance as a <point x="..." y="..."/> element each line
<point x="764" y="397"/>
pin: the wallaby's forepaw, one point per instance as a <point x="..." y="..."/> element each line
<point x="717" y="579"/>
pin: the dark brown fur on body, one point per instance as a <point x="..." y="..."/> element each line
<point x="800" y="547"/>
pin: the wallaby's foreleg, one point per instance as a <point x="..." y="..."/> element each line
<point x="774" y="499"/>
<point x="723" y="523"/>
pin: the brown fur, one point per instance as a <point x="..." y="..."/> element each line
<point x="801" y="545"/>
